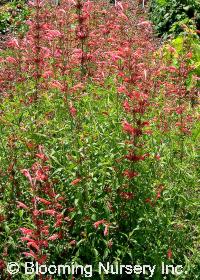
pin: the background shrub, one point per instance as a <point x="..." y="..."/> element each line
<point x="164" y="13"/>
<point x="12" y="16"/>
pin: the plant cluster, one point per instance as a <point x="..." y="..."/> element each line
<point x="99" y="128"/>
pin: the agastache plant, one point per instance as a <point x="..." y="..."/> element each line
<point x="178" y="96"/>
<point x="45" y="211"/>
<point x="87" y="81"/>
<point x="135" y="88"/>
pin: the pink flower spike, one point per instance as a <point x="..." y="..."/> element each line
<point x="72" y="243"/>
<point x="130" y="174"/>
<point x="75" y="182"/>
<point x="27" y="174"/>
<point x="57" y="85"/>
<point x="106" y="230"/>
<point x="26" y="231"/>
<point x="53" y="237"/>
<point x="41" y="176"/>
<point x="42" y="156"/>
<point x="169" y="254"/>
<point x="73" y="111"/>
<point x="127" y="127"/>
<point x="31" y="254"/>
<point x="49" y="212"/>
<point x="46" y="202"/>
<point x="47" y="74"/>
<point x="13" y="43"/>
<point x="98" y="223"/>
<point x="33" y="245"/>
<point x="11" y="60"/>
<point x="42" y="259"/>
<point x="51" y="34"/>
<point x="23" y="239"/>
<point x="22" y="205"/>
<point x="158" y="195"/>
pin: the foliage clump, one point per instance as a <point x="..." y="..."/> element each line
<point x="13" y="16"/>
<point x="165" y="13"/>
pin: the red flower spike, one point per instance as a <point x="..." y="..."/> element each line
<point x="126" y="195"/>
<point x="33" y="245"/>
<point x="72" y="243"/>
<point x="169" y="254"/>
<point x="53" y="237"/>
<point x="127" y="127"/>
<point x="30" y="254"/>
<point x="46" y="202"/>
<point x="49" y="212"/>
<point x="130" y="174"/>
<point x="73" y="111"/>
<point x="158" y="195"/>
<point x="106" y="230"/>
<point x="42" y="156"/>
<point x="98" y="223"/>
<point x="26" y="231"/>
<point x="75" y="182"/>
<point x="42" y="259"/>
<point x="22" y="205"/>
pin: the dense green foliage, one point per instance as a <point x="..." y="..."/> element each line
<point x="12" y="16"/>
<point x="179" y="21"/>
<point x="165" y="13"/>
<point x="144" y="233"/>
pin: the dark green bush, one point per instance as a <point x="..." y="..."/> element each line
<point x="164" y="13"/>
<point x="13" y="16"/>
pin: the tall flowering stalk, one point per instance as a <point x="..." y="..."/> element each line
<point x="82" y="34"/>
<point x="135" y="88"/>
<point x="34" y="36"/>
<point x="178" y="95"/>
<point x="45" y="211"/>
